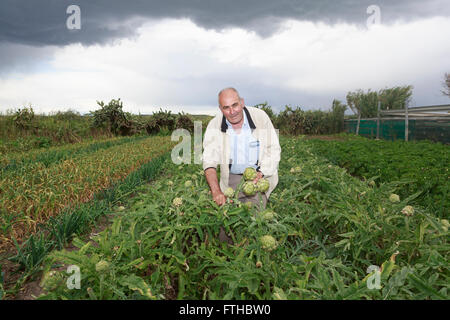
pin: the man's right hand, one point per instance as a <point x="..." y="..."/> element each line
<point x="219" y="198"/>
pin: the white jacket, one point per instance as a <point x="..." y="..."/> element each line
<point x="216" y="146"/>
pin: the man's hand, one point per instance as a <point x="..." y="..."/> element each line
<point x="219" y="198"/>
<point x="259" y="175"/>
<point x="217" y="194"/>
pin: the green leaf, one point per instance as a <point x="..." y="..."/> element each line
<point x="420" y="285"/>
<point x="136" y="283"/>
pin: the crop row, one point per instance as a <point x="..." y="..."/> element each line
<point x="327" y="229"/>
<point x="13" y="162"/>
<point x="422" y="166"/>
<point x="32" y="197"/>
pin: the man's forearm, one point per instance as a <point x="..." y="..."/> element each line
<point x="211" y="178"/>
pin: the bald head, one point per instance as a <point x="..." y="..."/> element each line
<point x="227" y="90"/>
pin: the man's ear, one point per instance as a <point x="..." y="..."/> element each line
<point x="242" y="101"/>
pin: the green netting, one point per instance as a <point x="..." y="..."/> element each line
<point x="434" y="130"/>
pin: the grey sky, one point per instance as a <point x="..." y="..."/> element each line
<point x="170" y="63"/>
<point x="42" y="22"/>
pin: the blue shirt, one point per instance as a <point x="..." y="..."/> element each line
<point x="244" y="148"/>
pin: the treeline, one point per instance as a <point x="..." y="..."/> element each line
<point x="23" y="130"/>
<point x="295" y="121"/>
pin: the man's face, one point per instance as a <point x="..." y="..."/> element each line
<point x="231" y="106"/>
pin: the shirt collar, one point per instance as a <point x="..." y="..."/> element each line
<point x="247" y="116"/>
<point x="244" y="125"/>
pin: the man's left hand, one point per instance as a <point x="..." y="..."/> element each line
<point x="259" y="175"/>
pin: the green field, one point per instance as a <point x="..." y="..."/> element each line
<point x="329" y="228"/>
<point x="421" y="166"/>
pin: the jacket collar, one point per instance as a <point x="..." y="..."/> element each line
<point x="224" y="125"/>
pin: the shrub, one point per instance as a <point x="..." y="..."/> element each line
<point x="161" y="122"/>
<point x="184" y="121"/>
<point x="24" y="118"/>
<point x="112" y="117"/>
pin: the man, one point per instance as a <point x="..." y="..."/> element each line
<point x="238" y="138"/>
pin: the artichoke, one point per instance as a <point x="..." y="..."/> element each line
<point x="408" y="210"/>
<point x="188" y="183"/>
<point x="267" y="214"/>
<point x="177" y="202"/>
<point x="296" y="169"/>
<point x="445" y="224"/>
<point x="249" y="174"/>
<point x="229" y="192"/>
<point x="50" y="280"/>
<point x="102" y="266"/>
<point x="249" y="188"/>
<point x="268" y="242"/>
<point x="394" y="198"/>
<point x="263" y="185"/>
<point x="248" y="205"/>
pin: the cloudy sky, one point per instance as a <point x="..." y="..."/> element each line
<point x="177" y="55"/>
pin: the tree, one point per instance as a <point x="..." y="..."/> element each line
<point x="369" y="104"/>
<point x="395" y="98"/>
<point x="446" y="85"/>
<point x="267" y="109"/>
<point x="337" y="112"/>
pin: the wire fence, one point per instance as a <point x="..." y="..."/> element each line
<point x="416" y="123"/>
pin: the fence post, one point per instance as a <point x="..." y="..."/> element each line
<point x="378" y="120"/>
<point x="406" y="122"/>
<point x="357" y="125"/>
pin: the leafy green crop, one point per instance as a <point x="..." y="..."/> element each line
<point x="326" y="229"/>
<point x="422" y="166"/>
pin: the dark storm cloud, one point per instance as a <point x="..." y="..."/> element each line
<point x="43" y="22"/>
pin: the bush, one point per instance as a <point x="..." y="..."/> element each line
<point x="161" y="122"/>
<point x="112" y="117"/>
<point x="184" y="121"/>
<point x="68" y="115"/>
<point x="296" y="121"/>
<point x="24" y="118"/>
